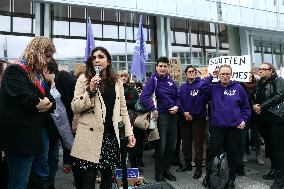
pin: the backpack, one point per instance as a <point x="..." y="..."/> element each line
<point x="218" y="172"/>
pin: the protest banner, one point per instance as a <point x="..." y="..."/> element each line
<point x="241" y="66"/>
<point x="175" y="69"/>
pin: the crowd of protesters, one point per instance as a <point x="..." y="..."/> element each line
<point x="42" y="107"/>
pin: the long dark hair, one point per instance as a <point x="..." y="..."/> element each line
<point x="110" y="77"/>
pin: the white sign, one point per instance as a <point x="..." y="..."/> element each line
<point x="241" y="66"/>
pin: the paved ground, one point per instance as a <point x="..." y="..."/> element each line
<point x="252" y="180"/>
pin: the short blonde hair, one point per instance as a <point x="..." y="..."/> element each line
<point x="122" y="72"/>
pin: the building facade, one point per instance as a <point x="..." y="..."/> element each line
<point x="195" y="30"/>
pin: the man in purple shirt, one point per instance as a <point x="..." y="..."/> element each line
<point x="167" y="98"/>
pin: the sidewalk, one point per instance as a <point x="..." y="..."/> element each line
<point x="252" y="180"/>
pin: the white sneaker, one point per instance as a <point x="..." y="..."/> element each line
<point x="259" y="160"/>
<point x="245" y="160"/>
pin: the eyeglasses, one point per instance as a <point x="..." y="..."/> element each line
<point x="191" y="71"/>
<point x="225" y="74"/>
<point x="264" y="69"/>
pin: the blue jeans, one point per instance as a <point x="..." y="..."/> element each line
<point x="22" y="165"/>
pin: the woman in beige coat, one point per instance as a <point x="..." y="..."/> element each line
<point x="99" y="99"/>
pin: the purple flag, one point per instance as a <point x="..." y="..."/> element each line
<point x="90" y="43"/>
<point x="140" y="55"/>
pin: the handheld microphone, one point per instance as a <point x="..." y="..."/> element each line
<point x="97" y="70"/>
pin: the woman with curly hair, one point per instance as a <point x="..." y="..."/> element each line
<point x="99" y="99"/>
<point x="25" y="105"/>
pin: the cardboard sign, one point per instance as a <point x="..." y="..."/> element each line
<point x="175" y="69"/>
<point x="241" y="66"/>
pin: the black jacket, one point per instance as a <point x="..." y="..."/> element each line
<point x="20" y="122"/>
<point x="270" y="94"/>
<point x="65" y="84"/>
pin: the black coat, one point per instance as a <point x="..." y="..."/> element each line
<point x="65" y="84"/>
<point x="21" y="123"/>
<point x="270" y="94"/>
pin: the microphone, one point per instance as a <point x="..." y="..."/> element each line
<point x="97" y="70"/>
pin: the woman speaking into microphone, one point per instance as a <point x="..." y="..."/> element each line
<point x="99" y="99"/>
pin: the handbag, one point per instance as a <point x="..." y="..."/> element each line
<point x="278" y="109"/>
<point x="142" y="121"/>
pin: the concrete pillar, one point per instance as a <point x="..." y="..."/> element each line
<point x="163" y="36"/>
<point x="234" y="41"/>
<point x="37" y="18"/>
<point x="47" y="20"/>
<point x="246" y="43"/>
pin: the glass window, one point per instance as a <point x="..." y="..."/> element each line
<point x="272" y="20"/>
<point x="60" y="11"/>
<point x="5" y="6"/>
<point x="136" y="18"/>
<point x="22" y="25"/>
<point x="257" y="4"/>
<point x="271" y="5"/>
<point x="97" y="29"/>
<point x="20" y="42"/>
<point x="247" y="16"/>
<point x="77" y="29"/>
<point x="21" y="6"/>
<point x="60" y="28"/>
<point x="203" y="26"/>
<point x="126" y="16"/>
<point x="193" y="38"/>
<point x="78" y="12"/>
<point x="179" y="23"/>
<point x="94" y="13"/>
<point x="212" y="27"/>
<point x="260" y="18"/>
<point x="180" y="37"/>
<point x="202" y="9"/>
<point x="246" y="3"/>
<point x="213" y="41"/>
<point x="5" y="23"/>
<point x="233" y="14"/>
<point x="281" y="21"/>
<point x="110" y="15"/>
<point x="110" y="31"/>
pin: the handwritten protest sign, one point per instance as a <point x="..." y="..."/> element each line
<point x="241" y="66"/>
<point x="175" y="69"/>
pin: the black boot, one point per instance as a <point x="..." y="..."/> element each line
<point x="241" y="170"/>
<point x="186" y="167"/>
<point x="205" y="181"/>
<point x="198" y="172"/>
<point x="278" y="183"/>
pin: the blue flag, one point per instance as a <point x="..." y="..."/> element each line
<point x="90" y="43"/>
<point x="140" y="55"/>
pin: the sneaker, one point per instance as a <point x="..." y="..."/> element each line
<point x="245" y="160"/>
<point x="259" y="160"/>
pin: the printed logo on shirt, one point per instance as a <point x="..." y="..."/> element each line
<point x="194" y="92"/>
<point x="170" y="83"/>
<point x="230" y="92"/>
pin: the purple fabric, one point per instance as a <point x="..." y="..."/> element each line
<point x="192" y="100"/>
<point x="90" y="43"/>
<point x="140" y="55"/>
<point x="229" y="105"/>
<point x="166" y="93"/>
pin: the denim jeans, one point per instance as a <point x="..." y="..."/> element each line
<point x="22" y="165"/>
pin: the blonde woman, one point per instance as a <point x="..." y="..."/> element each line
<point x="25" y="103"/>
<point x="99" y="99"/>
